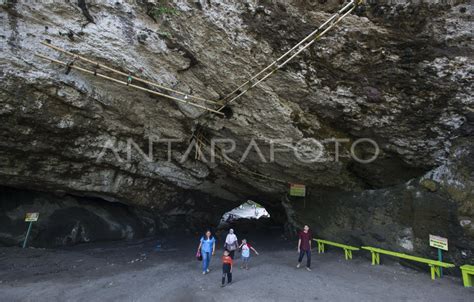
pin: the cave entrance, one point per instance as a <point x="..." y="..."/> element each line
<point x="248" y="210"/>
<point x="251" y="220"/>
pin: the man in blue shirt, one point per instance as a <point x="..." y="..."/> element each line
<point x="207" y="248"/>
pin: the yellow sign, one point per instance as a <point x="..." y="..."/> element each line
<point x="297" y="190"/>
<point x="439" y="242"/>
<point x="31" y="217"/>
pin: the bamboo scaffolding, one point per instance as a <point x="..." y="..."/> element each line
<point x="98" y="66"/>
<point x="288" y="56"/>
<point x="127" y="84"/>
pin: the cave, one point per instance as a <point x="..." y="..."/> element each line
<point x="68" y="219"/>
<point x="364" y="135"/>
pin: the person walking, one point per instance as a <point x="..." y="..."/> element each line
<point x="231" y="243"/>
<point x="304" y="247"/>
<point x="227" y="264"/>
<point x="246" y="247"/>
<point x="207" y="248"/>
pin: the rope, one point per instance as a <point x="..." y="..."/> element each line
<point x="98" y="65"/>
<point x="126" y="83"/>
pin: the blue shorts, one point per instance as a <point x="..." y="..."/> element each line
<point x="246" y="259"/>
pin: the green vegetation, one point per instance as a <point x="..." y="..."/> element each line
<point x="158" y="11"/>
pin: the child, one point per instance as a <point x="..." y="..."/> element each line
<point x="246" y="253"/>
<point x="227" y="264"/>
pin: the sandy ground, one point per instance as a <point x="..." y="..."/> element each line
<point x="135" y="271"/>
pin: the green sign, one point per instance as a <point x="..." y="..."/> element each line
<point x="297" y="190"/>
<point x="439" y="242"/>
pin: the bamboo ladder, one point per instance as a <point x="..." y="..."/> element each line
<point x="273" y="67"/>
<point x="259" y="77"/>
<point x="129" y="78"/>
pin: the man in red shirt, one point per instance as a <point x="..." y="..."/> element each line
<point x="304" y="247"/>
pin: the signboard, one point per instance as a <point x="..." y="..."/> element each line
<point x="439" y="242"/>
<point x="297" y="190"/>
<point x="31" y="217"/>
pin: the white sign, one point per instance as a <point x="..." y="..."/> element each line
<point x="31" y="217"/>
<point x="439" y="242"/>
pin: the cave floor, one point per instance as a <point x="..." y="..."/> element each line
<point x="136" y="271"/>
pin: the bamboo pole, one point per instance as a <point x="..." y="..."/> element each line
<point x="98" y="65"/>
<point x="316" y="38"/>
<point x="129" y="85"/>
